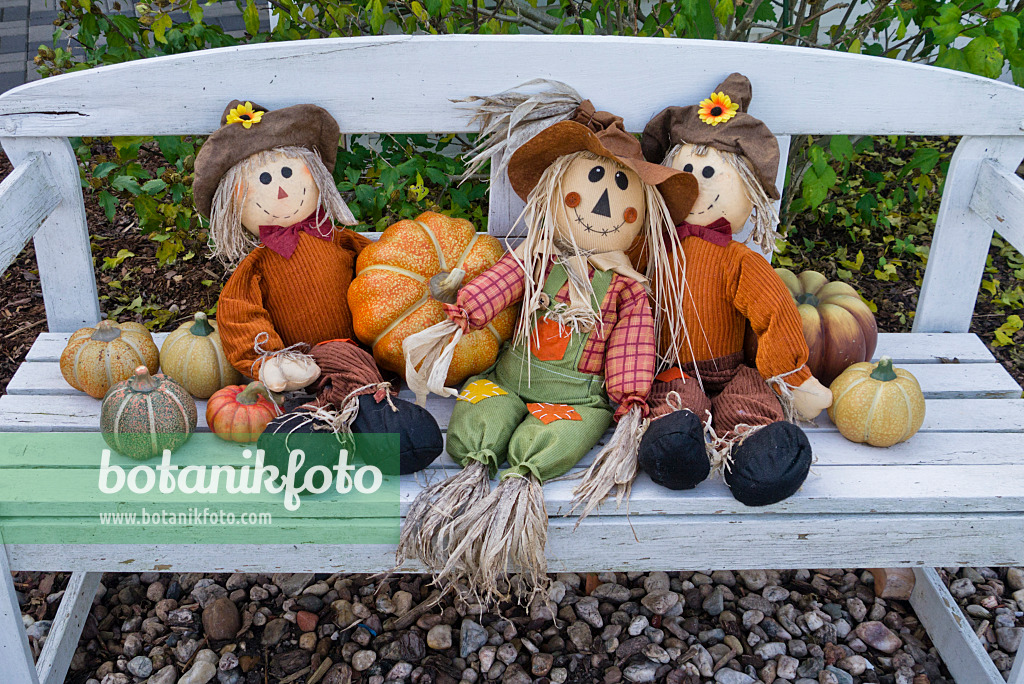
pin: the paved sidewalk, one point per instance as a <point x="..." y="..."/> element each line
<point x="27" y="24"/>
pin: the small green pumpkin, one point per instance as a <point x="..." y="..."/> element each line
<point x="145" y="414"/>
<point x="193" y="356"/>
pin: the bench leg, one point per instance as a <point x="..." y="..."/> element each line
<point x="1017" y="673"/>
<point x="67" y="627"/>
<point x="15" y="654"/>
<point x="950" y="631"/>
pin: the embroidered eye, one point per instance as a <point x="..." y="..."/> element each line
<point x="286" y="172"/>
<point x="622" y="180"/>
<point x="688" y="168"/>
<point x="265" y="178"/>
<point x="596" y="174"/>
<point x="708" y="171"/>
<point x="629" y="215"/>
<point x="572" y="200"/>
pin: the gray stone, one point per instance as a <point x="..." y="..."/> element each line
<point x="439" y="637"/>
<point x="399" y="672"/>
<point x="207" y="591"/>
<point x="292" y="584"/>
<point x="363" y="660"/>
<point x="167" y="675"/>
<point x="1015" y="578"/>
<point x="878" y="636"/>
<point x="580" y="635"/>
<point x="962" y="588"/>
<point x="841" y="676"/>
<point x="657" y="654"/>
<point x="615" y="593"/>
<point x="201" y="673"/>
<point x="656" y="581"/>
<point x="409" y="647"/>
<point x="787" y="667"/>
<point x="703" y="661"/>
<point x="754" y="580"/>
<point x="275" y="631"/>
<point x="637" y="625"/>
<point x="858" y="611"/>
<point x="515" y="674"/>
<point x="771" y="650"/>
<point x="472" y="637"/>
<point x="775" y="594"/>
<point x="586" y="609"/>
<point x="559" y="675"/>
<point x="541" y="663"/>
<point x="507" y="653"/>
<point x="40" y="629"/>
<point x="855" y="665"/>
<point x="132" y="646"/>
<point x="813" y="621"/>
<point x="1009" y="638"/>
<point x="660" y="602"/>
<point x="714" y="604"/>
<point x="811" y="667"/>
<point x="140" y="666"/>
<point x="641" y="672"/>
<point x="728" y="676"/>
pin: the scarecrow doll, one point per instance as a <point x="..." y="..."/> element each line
<point x="765" y="457"/>
<point x="583" y="354"/>
<point x="263" y="181"/>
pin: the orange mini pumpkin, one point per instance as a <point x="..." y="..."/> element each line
<point x="240" y="413"/>
<point x="402" y="280"/>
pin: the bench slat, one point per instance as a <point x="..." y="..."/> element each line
<point x="607" y="543"/>
<point x="828" y="490"/>
<point x="372" y="84"/>
<point x="938" y="380"/>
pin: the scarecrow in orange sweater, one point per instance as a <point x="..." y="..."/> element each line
<point x="765" y="457"/>
<point x="263" y="181"/>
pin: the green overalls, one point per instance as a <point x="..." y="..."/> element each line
<point x="497" y="417"/>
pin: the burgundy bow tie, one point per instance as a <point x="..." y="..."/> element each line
<point x="718" y="232"/>
<point x="284" y="240"/>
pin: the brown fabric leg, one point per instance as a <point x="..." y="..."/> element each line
<point x="344" y="367"/>
<point x="746" y="400"/>
<point x="690" y="397"/>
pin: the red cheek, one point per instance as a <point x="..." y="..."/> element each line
<point x="629" y="215"/>
<point x="572" y="200"/>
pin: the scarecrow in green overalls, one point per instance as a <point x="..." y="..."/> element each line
<point x="584" y="352"/>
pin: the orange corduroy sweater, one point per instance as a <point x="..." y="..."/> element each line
<point x="303" y="298"/>
<point x="726" y="287"/>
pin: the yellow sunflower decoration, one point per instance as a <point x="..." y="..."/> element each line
<point x="717" y="108"/>
<point x="244" y="115"/>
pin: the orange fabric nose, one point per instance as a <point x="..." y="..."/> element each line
<point x="281" y="194"/>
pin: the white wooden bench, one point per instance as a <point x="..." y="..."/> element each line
<point x="952" y="496"/>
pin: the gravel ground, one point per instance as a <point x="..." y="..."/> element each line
<point x="800" y="626"/>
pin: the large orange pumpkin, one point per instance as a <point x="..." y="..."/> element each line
<point x="402" y="279"/>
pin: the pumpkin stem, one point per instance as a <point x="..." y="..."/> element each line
<point x="142" y="381"/>
<point x="252" y="393"/>
<point x="106" y="331"/>
<point x="444" y="287"/>
<point x="883" y="371"/>
<point x="202" y="327"/>
<point x="807" y="298"/>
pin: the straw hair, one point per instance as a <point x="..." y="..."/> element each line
<point x="507" y="529"/>
<point x="229" y="239"/>
<point x="765" y="217"/>
<point x="424" y="534"/>
<point x="510" y="118"/>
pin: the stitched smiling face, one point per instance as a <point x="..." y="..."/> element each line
<point x="281" y="192"/>
<point x="721" y="192"/>
<point x="601" y="205"/>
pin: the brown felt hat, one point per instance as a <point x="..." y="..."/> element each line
<point x="742" y="133"/>
<point x="303" y="125"/>
<point x="603" y="134"/>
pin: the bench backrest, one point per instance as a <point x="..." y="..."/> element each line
<point x="407" y="84"/>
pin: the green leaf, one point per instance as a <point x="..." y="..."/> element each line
<point x="953" y="58"/>
<point x="1008" y="27"/>
<point x="723" y="10"/>
<point x="160" y="26"/>
<point x="126" y="184"/>
<point x="251" y="16"/>
<point x="984" y="57"/>
<point x="103" y="170"/>
<point x="1004" y="333"/>
<point x="840" y="147"/>
<point x="109" y="204"/>
<point x="154" y="186"/>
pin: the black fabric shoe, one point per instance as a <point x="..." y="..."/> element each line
<point x="672" y="451"/>
<point x="770" y="465"/>
<point x="419" y="437"/>
<point x="301" y="429"/>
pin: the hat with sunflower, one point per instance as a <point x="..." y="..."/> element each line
<point x="247" y="129"/>
<point x="721" y="121"/>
